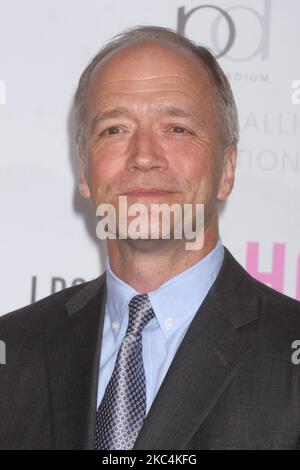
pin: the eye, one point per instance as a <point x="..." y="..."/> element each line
<point x="112" y="130"/>
<point x="179" y="130"/>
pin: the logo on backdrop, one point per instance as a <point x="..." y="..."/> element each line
<point x="228" y="29"/>
<point x="55" y="284"/>
<point x="225" y="30"/>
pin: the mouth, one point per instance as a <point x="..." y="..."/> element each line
<point x="148" y="192"/>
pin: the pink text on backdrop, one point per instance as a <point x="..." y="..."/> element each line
<point x="274" y="278"/>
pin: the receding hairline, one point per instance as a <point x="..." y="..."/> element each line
<point x="161" y="42"/>
<point x="179" y="43"/>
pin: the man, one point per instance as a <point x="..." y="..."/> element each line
<point x="169" y="348"/>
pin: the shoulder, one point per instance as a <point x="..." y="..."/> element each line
<point x="279" y="316"/>
<point x="273" y="308"/>
<point x="43" y="314"/>
<point x="279" y="300"/>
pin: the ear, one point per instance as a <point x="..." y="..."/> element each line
<point x="83" y="184"/>
<point x="228" y="172"/>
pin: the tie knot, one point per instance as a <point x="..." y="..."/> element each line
<point x="140" y="313"/>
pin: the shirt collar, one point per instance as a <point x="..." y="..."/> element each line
<point x="176" y="301"/>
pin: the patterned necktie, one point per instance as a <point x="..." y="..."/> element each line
<point x="122" y="410"/>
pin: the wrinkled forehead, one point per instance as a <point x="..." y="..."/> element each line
<point x="146" y="67"/>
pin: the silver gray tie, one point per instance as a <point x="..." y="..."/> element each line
<point x="122" y="410"/>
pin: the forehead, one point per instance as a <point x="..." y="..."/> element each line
<point x="148" y="68"/>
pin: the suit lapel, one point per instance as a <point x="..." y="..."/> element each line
<point x="72" y="359"/>
<point x="211" y="353"/>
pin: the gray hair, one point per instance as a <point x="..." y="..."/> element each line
<point x="225" y="100"/>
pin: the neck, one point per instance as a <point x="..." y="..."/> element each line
<point x="146" y="264"/>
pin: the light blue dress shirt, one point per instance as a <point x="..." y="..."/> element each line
<point x="175" y="303"/>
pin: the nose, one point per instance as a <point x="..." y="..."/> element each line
<point x="145" y="153"/>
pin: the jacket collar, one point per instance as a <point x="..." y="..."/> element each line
<point x="211" y="353"/>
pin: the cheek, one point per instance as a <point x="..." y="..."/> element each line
<point x="105" y="163"/>
<point x="193" y="160"/>
<point x="196" y="162"/>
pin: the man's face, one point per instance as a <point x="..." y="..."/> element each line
<point x="152" y="122"/>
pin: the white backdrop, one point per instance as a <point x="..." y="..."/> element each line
<point x="47" y="237"/>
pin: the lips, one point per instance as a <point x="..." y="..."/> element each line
<point x="148" y="192"/>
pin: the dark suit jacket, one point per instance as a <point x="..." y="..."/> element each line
<point x="232" y="383"/>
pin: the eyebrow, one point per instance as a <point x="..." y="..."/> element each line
<point x="169" y="110"/>
<point x="111" y="113"/>
<point x="178" y="112"/>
